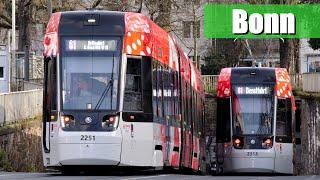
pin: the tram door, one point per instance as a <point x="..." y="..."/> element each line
<point x="283" y="139"/>
<point x="167" y="110"/>
<point x="49" y="102"/>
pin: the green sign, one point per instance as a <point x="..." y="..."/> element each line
<point x="261" y="21"/>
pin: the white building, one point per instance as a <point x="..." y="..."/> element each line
<point x="188" y="18"/>
<point x="309" y="58"/>
<point x="185" y="17"/>
<point x="4" y="69"/>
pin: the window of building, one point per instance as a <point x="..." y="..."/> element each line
<point x="186" y="29"/>
<point x="1" y="72"/>
<point x="189" y="27"/>
<point x="197" y="29"/>
<point x="313" y="64"/>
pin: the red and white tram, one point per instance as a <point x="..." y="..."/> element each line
<point x="119" y="91"/>
<point x="255" y="121"/>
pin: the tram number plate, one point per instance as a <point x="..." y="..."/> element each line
<point x="252" y="153"/>
<point x="87" y="138"/>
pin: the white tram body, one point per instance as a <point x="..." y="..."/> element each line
<point x="255" y="128"/>
<point x="115" y="94"/>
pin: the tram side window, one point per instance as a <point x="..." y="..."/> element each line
<point x="154" y="89"/>
<point x="184" y="104"/>
<point x="284" y="121"/>
<point x="165" y="84"/>
<point x="51" y="93"/>
<point x="178" y="100"/>
<point x="160" y="91"/>
<point x="133" y="89"/>
<point x="147" y="86"/>
<point x="223" y="120"/>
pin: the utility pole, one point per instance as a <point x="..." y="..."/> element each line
<point x="50" y="7"/>
<point x="13" y="48"/>
<point x="9" y="61"/>
<point x="195" y="33"/>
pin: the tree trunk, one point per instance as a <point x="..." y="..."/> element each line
<point x="284" y="53"/>
<point x="296" y="55"/>
<point x="24" y="13"/>
<point x="164" y="10"/>
<point x="289" y="55"/>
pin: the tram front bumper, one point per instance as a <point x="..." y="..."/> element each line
<point x="252" y="165"/>
<point x="89" y="154"/>
<point x="102" y="148"/>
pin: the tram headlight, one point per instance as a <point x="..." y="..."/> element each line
<point x="110" y="121"/>
<point x="238" y="142"/>
<point x="66" y="120"/>
<point x="267" y="143"/>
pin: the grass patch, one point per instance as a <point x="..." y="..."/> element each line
<point x="4" y="162"/>
<point x="14" y="126"/>
<point x="306" y="95"/>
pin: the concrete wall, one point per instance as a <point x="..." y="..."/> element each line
<point x="20" y="105"/>
<point x="28" y="85"/>
<point x="310" y="136"/>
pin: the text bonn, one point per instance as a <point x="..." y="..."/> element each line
<point x="270" y="23"/>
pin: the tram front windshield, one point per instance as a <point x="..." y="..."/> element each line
<point x="90" y="71"/>
<point x="252" y="108"/>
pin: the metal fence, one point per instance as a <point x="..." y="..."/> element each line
<point x="20" y="105"/>
<point x="311" y="82"/>
<point x="296" y="80"/>
<point x="18" y="81"/>
<point x="308" y="82"/>
<point x="210" y="83"/>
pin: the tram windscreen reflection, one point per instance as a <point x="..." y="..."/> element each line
<point x="253" y="113"/>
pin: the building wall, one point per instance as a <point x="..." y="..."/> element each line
<point x="187" y="13"/>
<point x="182" y="11"/>
<point x="4" y="69"/>
<point x="307" y="54"/>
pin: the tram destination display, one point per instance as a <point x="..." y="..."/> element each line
<point x="249" y="90"/>
<point x="91" y="45"/>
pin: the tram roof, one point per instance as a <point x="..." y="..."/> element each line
<point x="279" y="77"/>
<point x="141" y="37"/>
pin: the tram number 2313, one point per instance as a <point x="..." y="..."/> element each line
<point x="87" y="138"/>
<point x="252" y="153"/>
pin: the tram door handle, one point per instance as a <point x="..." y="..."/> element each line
<point x="132" y="134"/>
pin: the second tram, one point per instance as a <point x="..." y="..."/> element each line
<point x="119" y="91"/>
<point x="255" y="120"/>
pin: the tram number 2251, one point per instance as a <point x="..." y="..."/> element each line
<point x="87" y="138"/>
<point x="252" y="153"/>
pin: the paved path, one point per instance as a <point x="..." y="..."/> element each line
<point x="143" y="176"/>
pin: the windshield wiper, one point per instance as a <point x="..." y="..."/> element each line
<point x="103" y="95"/>
<point x="106" y="90"/>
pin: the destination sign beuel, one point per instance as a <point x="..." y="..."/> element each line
<point x="95" y="45"/>
<point x="253" y="90"/>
